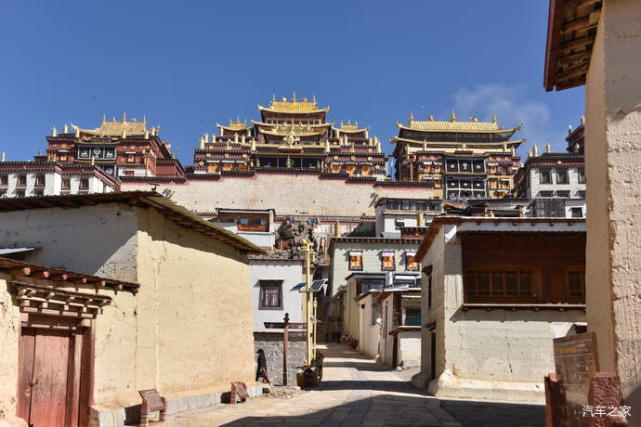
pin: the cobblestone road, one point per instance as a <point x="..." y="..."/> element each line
<point x="354" y="392"/>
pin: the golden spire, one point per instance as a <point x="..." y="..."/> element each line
<point x="411" y="119"/>
<point x="104" y="118"/>
<point x="293" y="96"/>
<point x="494" y="118"/>
<point x="452" y="116"/>
<point x="124" y="117"/>
<point x="430" y="117"/>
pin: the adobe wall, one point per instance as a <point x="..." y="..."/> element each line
<point x="288" y="193"/>
<point x="613" y="159"/>
<point x="9" y="347"/>
<point x="98" y="241"/>
<point x="199" y="305"/>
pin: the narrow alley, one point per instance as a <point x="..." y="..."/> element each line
<point x="357" y="392"/>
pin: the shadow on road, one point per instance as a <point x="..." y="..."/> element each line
<point x="486" y="414"/>
<point x="386" y="410"/>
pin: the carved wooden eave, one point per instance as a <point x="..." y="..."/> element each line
<point x="572" y="27"/>
<point x="41" y="299"/>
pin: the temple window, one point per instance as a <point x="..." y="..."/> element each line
<point x="22" y="180"/>
<point x="129" y="173"/>
<point x="4" y="179"/>
<point x="576" y="212"/>
<point x="271" y="295"/>
<point x="561" y="176"/>
<point x="581" y="174"/>
<point x="40" y="180"/>
<point x="564" y="194"/>
<point x="411" y="264"/>
<point x="483" y="284"/>
<point x="356" y="260"/>
<point x="84" y="184"/>
<point x="575" y="285"/>
<point x="66" y="183"/>
<point x="546" y="177"/>
<point x="413" y="317"/>
<point x="387" y="261"/>
<point x="131" y="158"/>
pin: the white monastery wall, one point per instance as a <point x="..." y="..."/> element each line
<point x="291" y="273"/>
<point x="290" y="194"/>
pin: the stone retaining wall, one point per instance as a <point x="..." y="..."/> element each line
<point x="272" y="345"/>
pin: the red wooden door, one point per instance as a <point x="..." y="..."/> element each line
<point x="47" y="395"/>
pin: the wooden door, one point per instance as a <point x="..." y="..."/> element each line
<point x="49" y="383"/>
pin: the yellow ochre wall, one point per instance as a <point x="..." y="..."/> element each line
<point x="188" y="331"/>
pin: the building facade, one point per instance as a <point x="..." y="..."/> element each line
<point x="495" y="293"/>
<point x="291" y="135"/>
<point x="554" y="183"/>
<point x="459" y="159"/>
<point x="123" y="148"/>
<point x="191" y="276"/>
<point x="32" y="179"/>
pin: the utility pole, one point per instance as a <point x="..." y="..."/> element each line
<point x="308" y="312"/>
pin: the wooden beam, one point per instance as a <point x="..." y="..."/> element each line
<point x="42" y="274"/>
<point x="579" y="42"/>
<point x="24" y="271"/>
<point x="59" y="276"/>
<point x="80" y="280"/>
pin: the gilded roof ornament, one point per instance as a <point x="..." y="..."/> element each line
<point x="430" y="118"/>
<point x="54" y="131"/>
<point x="411" y="119"/>
<point x="452" y="116"/>
<point x="494" y="120"/>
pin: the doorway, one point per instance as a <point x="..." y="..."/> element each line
<point x="54" y="375"/>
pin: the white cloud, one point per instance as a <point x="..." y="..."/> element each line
<point x="512" y="108"/>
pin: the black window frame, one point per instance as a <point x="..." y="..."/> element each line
<point x="262" y="285"/>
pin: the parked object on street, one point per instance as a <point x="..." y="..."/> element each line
<point x="151" y="402"/>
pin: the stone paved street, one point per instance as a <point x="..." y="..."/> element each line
<point x="354" y="392"/>
<point x="357" y="392"/>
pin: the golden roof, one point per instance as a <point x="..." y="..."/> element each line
<point x="509" y="143"/>
<point x="118" y="128"/>
<point x="453" y="125"/>
<point x="294" y="106"/>
<point x="296" y="132"/>
<point x="237" y="125"/>
<point x="350" y="128"/>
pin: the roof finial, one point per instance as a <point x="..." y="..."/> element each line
<point x="583" y="120"/>
<point x="474" y="119"/>
<point x="314" y="99"/>
<point x="144" y="119"/>
<point x="104" y="118"/>
<point x="273" y="98"/>
<point x="65" y="129"/>
<point x="430" y="117"/>
<point x="54" y="131"/>
<point x="411" y="119"/>
<point x="293" y="96"/>
<point x="535" y="150"/>
<point x="124" y="117"/>
<point x="548" y="148"/>
<point x="494" y="118"/>
<point x="452" y="116"/>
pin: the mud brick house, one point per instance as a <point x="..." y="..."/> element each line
<point x="495" y="292"/>
<point x="184" y="328"/>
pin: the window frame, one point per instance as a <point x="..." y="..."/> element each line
<point x="501" y="298"/>
<point x="383" y="261"/>
<point x="262" y="285"/>
<point x="351" y="266"/>
<point x="408" y="255"/>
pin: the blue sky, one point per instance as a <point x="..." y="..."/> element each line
<point x="187" y="65"/>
